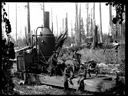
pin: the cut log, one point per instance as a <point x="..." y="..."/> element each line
<point x="92" y="85"/>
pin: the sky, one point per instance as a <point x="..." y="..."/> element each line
<point x="57" y="10"/>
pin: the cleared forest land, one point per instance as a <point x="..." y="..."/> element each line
<point x="108" y="57"/>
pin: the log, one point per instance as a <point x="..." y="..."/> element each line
<point x="91" y="84"/>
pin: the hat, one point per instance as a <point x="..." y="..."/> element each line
<point x="68" y="65"/>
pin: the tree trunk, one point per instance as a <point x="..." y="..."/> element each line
<point x="57" y="25"/>
<point x="51" y="21"/>
<point x="95" y="38"/>
<point x="101" y="37"/>
<point x="29" y="28"/>
<point x="66" y="23"/>
<point x="26" y="36"/>
<point x="116" y="31"/>
<point x="79" y="28"/>
<point x="91" y="23"/>
<point x="110" y="19"/>
<point x="87" y="21"/>
<point x="76" y="25"/>
<point x="16" y="26"/>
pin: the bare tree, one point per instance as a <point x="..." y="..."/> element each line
<point x="51" y="21"/>
<point x="29" y="27"/>
<point x="16" y="26"/>
<point x="110" y="18"/>
<point x="87" y="20"/>
<point x="95" y="36"/>
<point x="101" y="37"/>
<point x="66" y="23"/>
<point x="79" y="25"/>
<point x="57" y="25"/>
<point x="76" y="25"/>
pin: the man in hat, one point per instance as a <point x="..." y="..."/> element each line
<point x="53" y="63"/>
<point x="92" y="67"/>
<point x="11" y="51"/>
<point x="77" y="56"/>
<point x="82" y="76"/>
<point x="68" y="76"/>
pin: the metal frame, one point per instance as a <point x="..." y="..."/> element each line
<point x="36" y="43"/>
<point x="18" y="64"/>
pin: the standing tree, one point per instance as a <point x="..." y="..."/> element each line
<point x="91" y="23"/>
<point x="66" y="23"/>
<point x="57" y="25"/>
<point x="51" y="21"/>
<point x="79" y="25"/>
<point x="16" y="26"/>
<point x="101" y="37"/>
<point x="82" y="31"/>
<point x="76" y="25"/>
<point x="110" y="19"/>
<point x="95" y="36"/>
<point x="87" y="24"/>
<point x="26" y="36"/>
<point x="29" y="26"/>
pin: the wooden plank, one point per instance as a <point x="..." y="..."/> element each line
<point x="24" y="48"/>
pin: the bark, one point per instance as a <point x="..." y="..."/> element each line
<point x="101" y="36"/>
<point x="29" y="27"/>
<point x="95" y="38"/>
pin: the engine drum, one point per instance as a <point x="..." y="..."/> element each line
<point x="46" y="43"/>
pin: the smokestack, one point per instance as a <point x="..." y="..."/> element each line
<point x="46" y="19"/>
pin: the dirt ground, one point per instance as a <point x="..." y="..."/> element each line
<point x="100" y="84"/>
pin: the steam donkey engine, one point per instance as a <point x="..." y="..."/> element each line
<point x="33" y="59"/>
